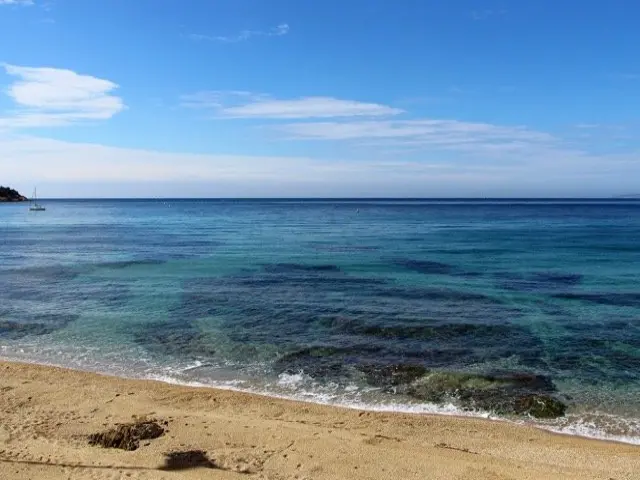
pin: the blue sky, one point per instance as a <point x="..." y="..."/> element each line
<point x="309" y="98"/>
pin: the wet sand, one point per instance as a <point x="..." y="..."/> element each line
<point x="46" y="415"/>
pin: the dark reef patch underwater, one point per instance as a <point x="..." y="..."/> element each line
<point x="523" y="310"/>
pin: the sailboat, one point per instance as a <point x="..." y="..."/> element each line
<point x="35" y="206"/>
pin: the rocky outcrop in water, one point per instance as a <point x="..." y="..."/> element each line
<point x="390" y="376"/>
<point x="10" y="195"/>
<point x="503" y="394"/>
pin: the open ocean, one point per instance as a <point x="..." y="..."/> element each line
<point x="351" y="302"/>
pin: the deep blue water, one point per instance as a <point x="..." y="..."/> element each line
<point x="295" y="298"/>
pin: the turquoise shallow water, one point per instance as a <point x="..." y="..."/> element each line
<point x="298" y="298"/>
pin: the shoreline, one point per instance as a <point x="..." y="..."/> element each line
<point x="390" y="408"/>
<point x="49" y="411"/>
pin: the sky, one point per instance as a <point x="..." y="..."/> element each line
<point x="331" y="98"/>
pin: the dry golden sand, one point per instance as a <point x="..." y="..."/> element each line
<point x="46" y="414"/>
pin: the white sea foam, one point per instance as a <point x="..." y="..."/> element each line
<point x="294" y="380"/>
<point x="301" y="387"/>
<point x="196" y="364"/>
<point x="627" y="429"/>
<point x="589" y="431"/>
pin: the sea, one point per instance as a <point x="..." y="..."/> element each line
<point x="297" y="298"/>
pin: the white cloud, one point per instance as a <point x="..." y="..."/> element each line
<point x="243" y="35"/>
<point x="53" y="97"/>
<point x="36" y="160"/>
<point x="309" y="107"/>
<point x="74" y="169"/>
<point x="249" y="105"/>
<point x="435" y="134"/>
<point x="359" y="123"/>
<point x="362" y="125"/>
<point x="216" y="100"/>
<point x="54" y="160"/>
<point x="16" y="2"/>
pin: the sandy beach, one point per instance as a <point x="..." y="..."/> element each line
<point x="48" y="414"/>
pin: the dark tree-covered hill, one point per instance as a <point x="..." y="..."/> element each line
<point x="10" y="195"/>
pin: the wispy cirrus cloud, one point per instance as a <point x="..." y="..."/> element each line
<point x="486" y="14"/>
<point x="219" y="99"/>
<point x="53" y="97"/>
<point x="16" y="2"/>
<point x="426" y="133"/>
<point x="363" y="124"/>
<point x="620" y="136"/>
<point x="380" y="131"/>
<point x="243" y="35"/>
<point x="241" y="104"/>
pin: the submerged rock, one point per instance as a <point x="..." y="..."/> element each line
<point x="615" y="299"/>
<point x="520" y="394"/>
<point x="539" y="282"/>
<point x="436" y="386"/>
<point x="132" y="263"/>
<point x="177" y="338"/>
<point x="428" y="267"/>
<point x="523" y="380"/>
<point x="317" y="362"/>
<point x="43" y="324"/>
<point x="555" y="278"/>
<point x="387" y="376"/>
<point x="299" y="267"/>
<point x="15" y="330"/>
<point x="503" y="393"/>
<point x="539" y="406"/>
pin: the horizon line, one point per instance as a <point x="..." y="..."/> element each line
<point x="616" y="197"/>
